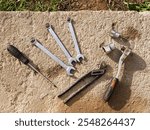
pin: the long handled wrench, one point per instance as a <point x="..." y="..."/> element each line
<point x="69" y="69"/>
<point x="71" y="60"/>
<point x="115" y="80"/>
<point x="79" y="56"/>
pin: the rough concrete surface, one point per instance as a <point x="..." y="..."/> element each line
<point x="23" y="91"/>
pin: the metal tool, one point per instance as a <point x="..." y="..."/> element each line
<point x="94" y="73"/>
<point x="114" y="34"/>
<point x="115" y="80"/>
<point x="21" y="57"/>
<point x="109" y="48"/>
<point x="71" y="60"/>
<point x="79" y="56"/>
<point x="69" y="69"/>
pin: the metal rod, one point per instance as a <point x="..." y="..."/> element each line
<point x="36" y="70"/>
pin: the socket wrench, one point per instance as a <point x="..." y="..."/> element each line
<point x="115" y="80"/>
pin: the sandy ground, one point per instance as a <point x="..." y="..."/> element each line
<point x="23" y="91"/>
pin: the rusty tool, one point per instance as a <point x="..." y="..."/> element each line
<point x="115" y="80"/>
<point x="21" y="57"/>
<point x="94" y="73"/>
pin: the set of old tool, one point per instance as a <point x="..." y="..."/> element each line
<point x="71" y="61"/>
<point x="69" y="67"/>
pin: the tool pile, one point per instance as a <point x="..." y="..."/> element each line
<point x="69" y="67"/>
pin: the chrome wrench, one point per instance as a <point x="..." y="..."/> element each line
<point x="71" y="60"/>
<point x="79" y="56"/>
<point x="69" y="69"/>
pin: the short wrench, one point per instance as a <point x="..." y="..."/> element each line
<point x="69" y="69"/>
<point x="71" y="60"/>
<point x="79" y="56"/>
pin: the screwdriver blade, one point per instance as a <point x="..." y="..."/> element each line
<point x="36" y="70"/>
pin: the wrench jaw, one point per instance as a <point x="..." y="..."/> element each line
<point x="47" y="25"/>
<point x="70" y="70"/>
<point x="69" y="20"/>
<point x="33" y="40"/>
<point x="79" y="57"/>
<point x="72" y="61"/>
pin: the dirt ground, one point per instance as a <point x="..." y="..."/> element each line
<point x="23" y="91"/>
<point x="75" y="5"/>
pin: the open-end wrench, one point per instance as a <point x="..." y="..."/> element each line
<point x="71" y="60"/>
<point x="69" y="69"/>
<point x="79" y="56"/>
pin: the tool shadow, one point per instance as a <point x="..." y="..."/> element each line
<point x="122" y="93"/>
<point x="77" y="97"/>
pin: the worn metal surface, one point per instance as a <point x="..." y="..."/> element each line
<point x="22" y="91"/>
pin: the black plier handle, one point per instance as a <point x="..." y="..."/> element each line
<point x="94" y="73"/>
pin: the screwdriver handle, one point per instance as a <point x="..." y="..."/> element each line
<point x="17" y="54"/>
<point x="110" y="89"/>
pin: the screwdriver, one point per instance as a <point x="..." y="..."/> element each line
<point x="21" y="57"/>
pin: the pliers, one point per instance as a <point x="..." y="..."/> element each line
<point x="95" y="74"/>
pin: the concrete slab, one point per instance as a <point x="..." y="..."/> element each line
<point x="23" y="91"/>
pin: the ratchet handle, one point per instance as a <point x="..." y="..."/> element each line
<point x="17" y="54"/>
<point x="110" y="89"/>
